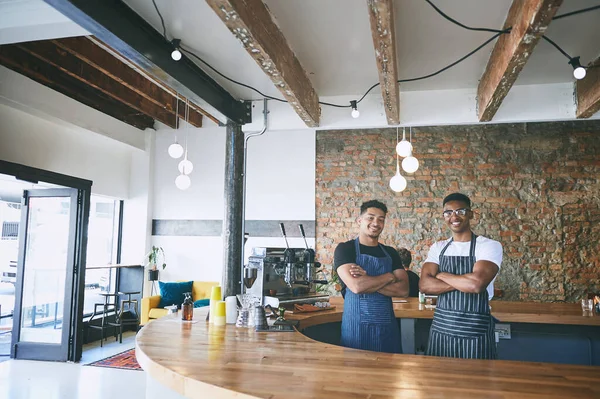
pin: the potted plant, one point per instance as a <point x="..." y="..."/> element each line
<point x="155" y="256"/>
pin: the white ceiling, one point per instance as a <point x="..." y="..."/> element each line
<point x="332" y="40"/>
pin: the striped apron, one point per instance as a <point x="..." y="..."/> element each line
<point x="462" y="324"/>
<point x="368" y="321"/>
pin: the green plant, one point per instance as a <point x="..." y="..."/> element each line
<point x="154" y="255"/>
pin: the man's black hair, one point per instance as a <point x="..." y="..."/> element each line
<point x="405" y="257"/>
<point x="373" y="204"/>
<point x="457" y="197"/>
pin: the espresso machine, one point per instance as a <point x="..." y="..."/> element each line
<point x="283" y="276"/>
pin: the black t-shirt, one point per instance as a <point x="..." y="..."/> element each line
<point x="345" y="252"/>
<point x="413" y="284"/>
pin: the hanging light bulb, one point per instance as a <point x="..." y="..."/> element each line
<point x="403" y="148"/>
<point x="578" y="71"/>
<point x="183" y="182"/>
<point x="176" y="54"/>
<point x="355" y="113"/>
<point x="397" y="182"/>
<point x="410" y="164"/>
<point x="175" y="150"/>
<point x="185" y="166"/>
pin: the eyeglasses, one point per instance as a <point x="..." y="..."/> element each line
<point x="459" y="212"/>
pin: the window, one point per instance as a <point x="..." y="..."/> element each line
<point x="103" y="236"/>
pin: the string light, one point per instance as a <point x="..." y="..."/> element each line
<point x="176" y="54"/>
<point x="578" y="71"/>
<point x="355" y="113"/>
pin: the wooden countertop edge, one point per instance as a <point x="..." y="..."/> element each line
<point x="187" y="386"/>
<point x="192" y="386"/>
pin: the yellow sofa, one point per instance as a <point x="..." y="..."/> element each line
<point x="150" y="309"/>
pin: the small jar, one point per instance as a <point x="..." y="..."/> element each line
<point x="187" y="308"/>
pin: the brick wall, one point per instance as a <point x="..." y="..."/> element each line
<point x="535" y="188"/>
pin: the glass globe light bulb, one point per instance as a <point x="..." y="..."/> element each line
<point x="579" y="73"/>
<point x="183" y="182"/>
<point x="410" y="164"/>
<point x="404" y="148"/>
<point x="175" y="150"/>
<point x="185" y="167"/>
<point x="176" y="54"/>
<point x="398" y="183"/>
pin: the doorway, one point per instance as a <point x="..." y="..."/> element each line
<point x="48" y="275"/>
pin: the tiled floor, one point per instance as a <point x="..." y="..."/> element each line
<point x="24" y="379"/>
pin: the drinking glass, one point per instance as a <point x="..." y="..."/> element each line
<point x="587" y="305"/>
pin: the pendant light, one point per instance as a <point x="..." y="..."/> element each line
<point x="185" y="166"/>
<point x="398" y="182"/>
<point x="410" y="164"/>
<point x="176" y="150"/>
<point x="183" y="181"/>
<point x="403" y="148"/>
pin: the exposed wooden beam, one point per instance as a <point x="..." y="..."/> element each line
<point x="588" y="91"/>
<point x="48" y="52"/>
<point x="381" y="15"/>
<point x="252" y="23"/>
<point x="87" y="50"/>
<point x="26" y="64"/>
<point x="528" y="19"/>
<point x="121" y="28"/>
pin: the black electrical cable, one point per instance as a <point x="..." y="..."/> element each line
<point x="455" y="62"/>
<point x="228" y="78"/>
<point x="568" y="14"/>
<point x="557" y="47"/>
<point x="162" y="21"/>
<point x="460" y="24"/>
<point x="498" y="33"/>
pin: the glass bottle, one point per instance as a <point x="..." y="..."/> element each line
<point x="187" y="308"/>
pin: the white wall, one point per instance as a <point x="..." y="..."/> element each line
<point x="280" y="186"/>
<point x="32" y="141"/>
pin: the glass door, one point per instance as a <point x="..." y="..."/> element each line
<point x="45" y="278"/>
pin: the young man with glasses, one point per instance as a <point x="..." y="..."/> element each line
<point x="461" y="271"/>
<point x="372" y="273"/>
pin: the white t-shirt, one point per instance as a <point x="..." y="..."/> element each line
<point x="485" y="249"/>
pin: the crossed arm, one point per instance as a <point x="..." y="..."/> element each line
<point x="389" y="284"/>
<point x="434" y="283"/>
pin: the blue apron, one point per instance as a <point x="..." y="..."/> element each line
<point x="462" y="324"/>
<point x="368" y="321"/>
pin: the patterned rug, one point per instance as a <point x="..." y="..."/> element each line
<point x="124" y="360"/>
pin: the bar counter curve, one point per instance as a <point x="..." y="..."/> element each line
<point x="199" y="360"/>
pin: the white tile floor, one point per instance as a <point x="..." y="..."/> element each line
<point x="24" y="379"/>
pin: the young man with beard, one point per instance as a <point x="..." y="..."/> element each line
<point x="461" y="271"/>
<point x="371" y="274"/>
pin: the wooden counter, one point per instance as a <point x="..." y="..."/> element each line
<point x="505" y="312"/>
<point x="203" y="361"/>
